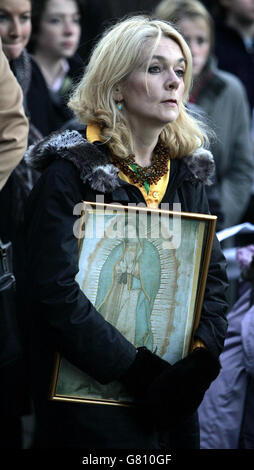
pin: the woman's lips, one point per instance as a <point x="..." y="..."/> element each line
<point x="170" y="102"/>
<point x="68" y="45"/>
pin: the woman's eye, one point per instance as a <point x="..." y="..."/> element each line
<point x="54" y="20"/>
<point x="3" y="17"/>
<point x="25" y="18"/>
<point x="201" y="41"/>
<point x="77" y="19"/>
<point x="179" y="73"/>
<point x="154" y="69"/>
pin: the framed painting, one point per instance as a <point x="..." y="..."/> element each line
<point x="145" y="271"/>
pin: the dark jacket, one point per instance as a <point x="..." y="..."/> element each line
<point x="234" y="57"/>
<point x="20" y="183"/>
<point x="48" y="110"/>
<point x="14" y="396"/>
<point x="62" y="317"/>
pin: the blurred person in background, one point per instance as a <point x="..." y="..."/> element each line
<point x="226" y="413"/>
<point x="15" y="30"/>
<point x="234" y="40"/>
<point x="13" y="143"/>
<point x="56" y="29"/>
<point x="234" y="49"/>
<point x="222" y="96"/>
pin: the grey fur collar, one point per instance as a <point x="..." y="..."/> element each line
<point x="93" y="163"/>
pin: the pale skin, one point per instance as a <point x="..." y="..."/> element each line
<point x="58" y="37"/>
<point x="15" y="26"/>
<point x="197" y="34"/>
<point x="149" y="108"/>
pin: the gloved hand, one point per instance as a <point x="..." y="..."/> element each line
<point x="143" y="371"/>
<point x="176" y="391"/>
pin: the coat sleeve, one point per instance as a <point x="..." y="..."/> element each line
<point x="75" y="328"/>
<point x="213" y="322"/>
<point x="13" y="123"/>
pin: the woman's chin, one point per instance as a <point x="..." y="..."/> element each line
<point x="13" y="52"/>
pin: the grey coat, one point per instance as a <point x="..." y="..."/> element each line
<point x="224" y="100"/>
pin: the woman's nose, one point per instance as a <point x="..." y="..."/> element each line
<point x="15" y="28"/>
<point x="68" y="27"/>
<point x="173" y="80"/>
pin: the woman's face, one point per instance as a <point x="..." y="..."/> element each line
<point x="197" y="34"/>
<point x="15" y="26"/>
<point x="59" y="29"/>
<point x="154" y="98"/>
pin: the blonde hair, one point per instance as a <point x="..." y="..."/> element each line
<point x="116" y="55"/>
<point x="175" y="10"/>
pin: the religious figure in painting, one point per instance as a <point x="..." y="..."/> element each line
<point x="130" y="280"/>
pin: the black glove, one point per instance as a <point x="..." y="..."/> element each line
<point x="167" y="394"/>
<point x="176" y="393"/>
<point x="143" y="371"/>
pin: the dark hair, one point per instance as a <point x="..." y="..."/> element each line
<point x="38" y="8"/>
<point x="218" y="11"/>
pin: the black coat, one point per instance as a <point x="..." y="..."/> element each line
<point x="233" y="56"/>
<point x="48" y="111"/>
<point x="63" y="319"/>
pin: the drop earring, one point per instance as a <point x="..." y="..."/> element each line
<point x="119" y="106"/>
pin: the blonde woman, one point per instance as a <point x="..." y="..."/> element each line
<point x="132" y="101"/>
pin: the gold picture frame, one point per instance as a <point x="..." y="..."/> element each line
<point x="145" y="271"/>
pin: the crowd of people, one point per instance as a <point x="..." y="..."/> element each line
<point x="151" y="104"/>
